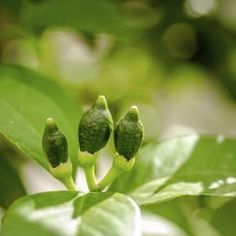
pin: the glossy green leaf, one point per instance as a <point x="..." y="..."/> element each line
<point x="67" y="214"/>
<point x="192" y="165"/>
<point x="26" y="100"/>
<point x="117" y="215"/>
<point x="42" y="214"/>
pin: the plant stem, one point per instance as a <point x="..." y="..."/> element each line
<point x="111" y="175"/>
<point x="69" y="183"/>
<point x="90" y="178"/>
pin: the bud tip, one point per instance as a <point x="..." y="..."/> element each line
<point x="133" y="113"/>
<point x="50" y="121"/>
<point x="134" y="109"/>
<point x="101" y="102"/>
<point x="50" y="124"/>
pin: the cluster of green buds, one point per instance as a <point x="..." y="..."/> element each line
<point x="94" y="131"/>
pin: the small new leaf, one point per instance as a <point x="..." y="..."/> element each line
<point x="54" y="144"/>
<point x="128" y="135"/>
<point x="95" y="127"/>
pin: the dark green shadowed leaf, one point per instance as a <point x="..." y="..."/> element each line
<point x="27" y="99"/>
<point x="11" y="186"/>
<point x="223" y="219"/>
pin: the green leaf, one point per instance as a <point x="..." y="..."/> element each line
<point x="26" y="100"/>
<point x="223" y="219"/>
<point x="117" y="215"/>
<point x="192" y="165"/>
<point x="88" y="16"/>
<point x="83" y="203"/>
<point x="11" y="186"/>
<point x="173" y="211"/>
<point x="59" y="213"/>
<point x="191" y="214"/>
<point x="42" y="214"/>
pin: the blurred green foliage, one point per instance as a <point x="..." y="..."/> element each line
<point x="128" y="50"/>
<point x="165" y="33"/>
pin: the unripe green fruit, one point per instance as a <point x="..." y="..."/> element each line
<point x="95" y="127"/>
<point x="128" y="135"/>
<point x="54" y="144"/>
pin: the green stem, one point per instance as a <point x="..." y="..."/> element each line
<point x="90" y="177"/>
<point x="111" y="175"/>
<point x="69" y="183"/>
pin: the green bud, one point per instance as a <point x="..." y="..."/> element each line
<point x="95" y="127"/>
<point x="128" y="135"/>
<point x="54" y="144"/>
